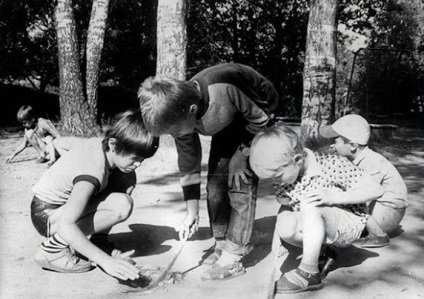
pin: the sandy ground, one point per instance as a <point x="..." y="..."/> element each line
<point x="396" y="271"/>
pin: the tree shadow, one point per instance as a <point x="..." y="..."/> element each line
<point x="148" y="239"/>
<point x="261" y="241"/>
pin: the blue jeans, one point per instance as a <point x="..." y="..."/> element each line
<point x="231" y="212"/>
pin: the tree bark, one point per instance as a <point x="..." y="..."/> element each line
<point x="76" y="116"/>
<point x="319" y="74"/>
<point x="95" y="41"/>
<point x="171" y="39"/>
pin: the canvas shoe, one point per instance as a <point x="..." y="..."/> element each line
<point x="64" y="261"/>
<point x="375" y="241"/>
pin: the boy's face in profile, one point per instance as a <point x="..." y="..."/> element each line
<point x="342" y="147"/>
<point x="287" y="173"/>
<point x="269" y="161"/>
<point x="28" y="124"/>
<point x="185" y="127"/>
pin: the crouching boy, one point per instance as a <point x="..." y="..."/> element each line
<point x="352" y="133"/>
<point x="325" y="196"/>
<point x="86" y="192"/>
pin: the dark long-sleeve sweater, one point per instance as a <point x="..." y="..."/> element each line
<point x="226" y="89"/>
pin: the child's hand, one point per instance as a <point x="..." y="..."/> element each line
<point x="118" y="266"/>
<point x="188" y="227"/>
<point x="237" y="169"/>
<point x="323" y="197"/>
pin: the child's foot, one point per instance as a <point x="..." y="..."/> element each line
<point x="226" y="267"/>
<point x="297" y="281"/>
<point x="64" y="261"/>
<point x="375" y="241"/>
<point x="41" y="160"/>
<point x="50" y="163"/>
<point x="218" y="272"/>
<point x="213" y="257"/>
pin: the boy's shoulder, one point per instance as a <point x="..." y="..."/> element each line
<point x="332" y="160"/>
<point x="369" y="156"/>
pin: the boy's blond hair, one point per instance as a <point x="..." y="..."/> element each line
<point x="165" y="102"/>
<point x="273" y="148"/>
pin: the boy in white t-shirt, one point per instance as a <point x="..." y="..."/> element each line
<point x="86" y="192"/>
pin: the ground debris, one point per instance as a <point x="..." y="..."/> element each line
<point x="147" y="276"/>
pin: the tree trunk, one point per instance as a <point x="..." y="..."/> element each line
<point x="171" y="39"/>
<point x="319" y="75"/>
<point x="76" y="116"/>
<point x="95" y="41"/>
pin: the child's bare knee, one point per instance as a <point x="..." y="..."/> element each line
<point x="288" y="226"/>
<point x="122" y="205"/>
<point x="29" y="134"/>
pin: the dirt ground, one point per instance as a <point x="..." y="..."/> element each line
<point x="396" y="271"/>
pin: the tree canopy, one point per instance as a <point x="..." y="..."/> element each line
<point x="269" y="35"/>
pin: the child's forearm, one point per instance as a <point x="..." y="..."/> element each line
<point x="192" y="206"/>
<point x="360" y="195"/>
<point x="77" y="240"/>
<point x="20" y="148"/>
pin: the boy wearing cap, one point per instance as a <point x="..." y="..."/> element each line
<point x="352" y="133"/>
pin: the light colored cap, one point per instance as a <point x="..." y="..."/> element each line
<point x="353" y="127"/>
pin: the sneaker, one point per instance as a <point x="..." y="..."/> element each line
<point x="218" y="272"/>
<point x="297" y="281"/>
<point x="64" y="261"/>
<point x="375" y="241"/>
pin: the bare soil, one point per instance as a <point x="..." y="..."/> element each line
<point x="396" y="271"/>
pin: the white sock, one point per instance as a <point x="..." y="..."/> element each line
<point x="228" y="258"/>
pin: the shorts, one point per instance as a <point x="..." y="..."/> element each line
<point x="40" y="215"/>
<point x="348" y="226"/>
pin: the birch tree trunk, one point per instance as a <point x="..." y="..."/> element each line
<point x="319" y="75"/>
<point x="77" y="117"/>
<point x="171" y="39"/>
<point x="95" y="41"/>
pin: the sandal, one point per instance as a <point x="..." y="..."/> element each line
<point x="213" y="257"/>
<point x="218" y="272"/>
<point x="297" y="281"/>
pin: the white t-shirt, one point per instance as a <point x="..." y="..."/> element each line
<point x="84" y="162"/>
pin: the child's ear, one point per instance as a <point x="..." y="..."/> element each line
<point x="353" y="147"/>
<point x="298" y="158"/>
<point x="193" y="109"/>
<point x="112" y="143"/>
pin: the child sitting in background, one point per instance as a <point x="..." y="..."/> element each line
<point x="86" y="192"/>
<point x="324" y="196"/>
<point x="352" y="133"/>
<point x="40" y="133"/>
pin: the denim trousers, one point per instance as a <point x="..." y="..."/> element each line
<point x="231" y="212"/>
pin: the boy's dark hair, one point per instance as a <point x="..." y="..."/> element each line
<point x="165" y="102"/>
<point x="26" y="113"/>
<point x="131" y="135"/>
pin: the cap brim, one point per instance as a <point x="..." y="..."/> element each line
<point x="328" y="132"/>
